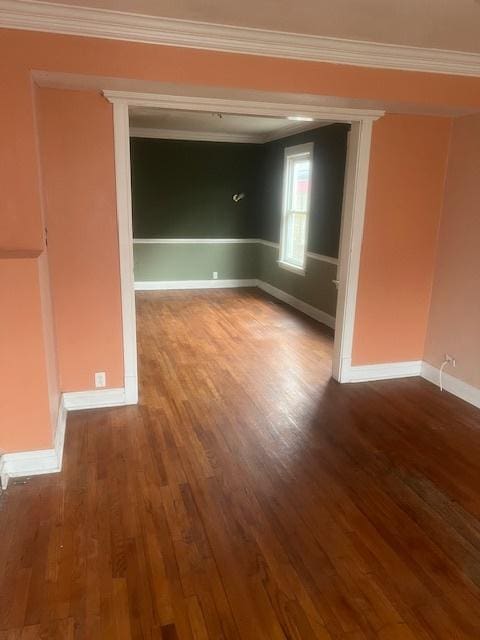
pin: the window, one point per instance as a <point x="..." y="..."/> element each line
<point x="297" y="185"/>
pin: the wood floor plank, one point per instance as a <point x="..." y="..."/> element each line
<point x="249" y="497"/>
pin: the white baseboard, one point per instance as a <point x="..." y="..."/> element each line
<point x="302" y="306"/>
<point x="95" y="399"/>
<point x="392" y="370"/>
<point x="165" y="285"/>
<point x="384" y="371"/>
<point x="42" y="461"/>
<point x="34" y="463"/>
<point x="131" y="389"/>
<point x="453" y="385"/>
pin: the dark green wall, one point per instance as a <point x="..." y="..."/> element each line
<point x="330" y="148"/>
<point x="184" y="189"/>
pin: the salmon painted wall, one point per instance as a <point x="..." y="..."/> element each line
<point x="78" y="172"/>
<point x="21" y="214"/>
<point x="404" y="201"/>
<point x="25" y="420"/>
<point x="22" y="51"/>
<point x="454" y="323"/>
<point x="73" y="212"/>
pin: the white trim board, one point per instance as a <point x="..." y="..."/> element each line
<point x="95" y="399"/>
<point x="33" y="463"/>
<point x="397" y="370"/>
<point x="167" y="285"/>
<point x="117" y="25"/>
<point x="321" y="257"/>
<point x="298" y="304"/>
<point x="451" y="384"/>
<point x="43" y="461"/>
<point x="386" y="371"/>
<point x="268" y="243"/>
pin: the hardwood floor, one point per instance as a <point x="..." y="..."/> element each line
<point x="248" y="496"/>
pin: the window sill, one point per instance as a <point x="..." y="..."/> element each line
<point x="291" y="267"/>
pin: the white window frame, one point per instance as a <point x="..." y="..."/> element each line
<point x="289" y="153"/>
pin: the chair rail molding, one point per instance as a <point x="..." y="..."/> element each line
<point x="116" y="25"/>
<point x="310" y="254"/>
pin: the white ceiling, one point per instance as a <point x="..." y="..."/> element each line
<point x="443" y="24"/>
<point x="149" y="121"/>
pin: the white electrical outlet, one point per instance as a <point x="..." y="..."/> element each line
<point x="215" y="275"/>
<point x="450" y="360"/>
<point x="100" y="379"/>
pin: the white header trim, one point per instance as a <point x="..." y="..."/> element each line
<point x="125" y="234"/>
<point x="319" y="112"/>
<point x="351" y="238"/>
<point x="39" y="462"/>
<point x="117" y="25"/>
<point x="309" y="254"/>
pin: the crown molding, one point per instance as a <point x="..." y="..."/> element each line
<point x="215" y="136"/>
<point x="116" y="25"/>
<point x="294" y="129"/>
<point x="203" y="136"/>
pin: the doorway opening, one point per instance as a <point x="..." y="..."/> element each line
<point x="234" y="194"/>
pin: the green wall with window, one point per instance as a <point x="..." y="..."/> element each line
<point x="329" y="154"/>
<point x="184" y="190"/>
